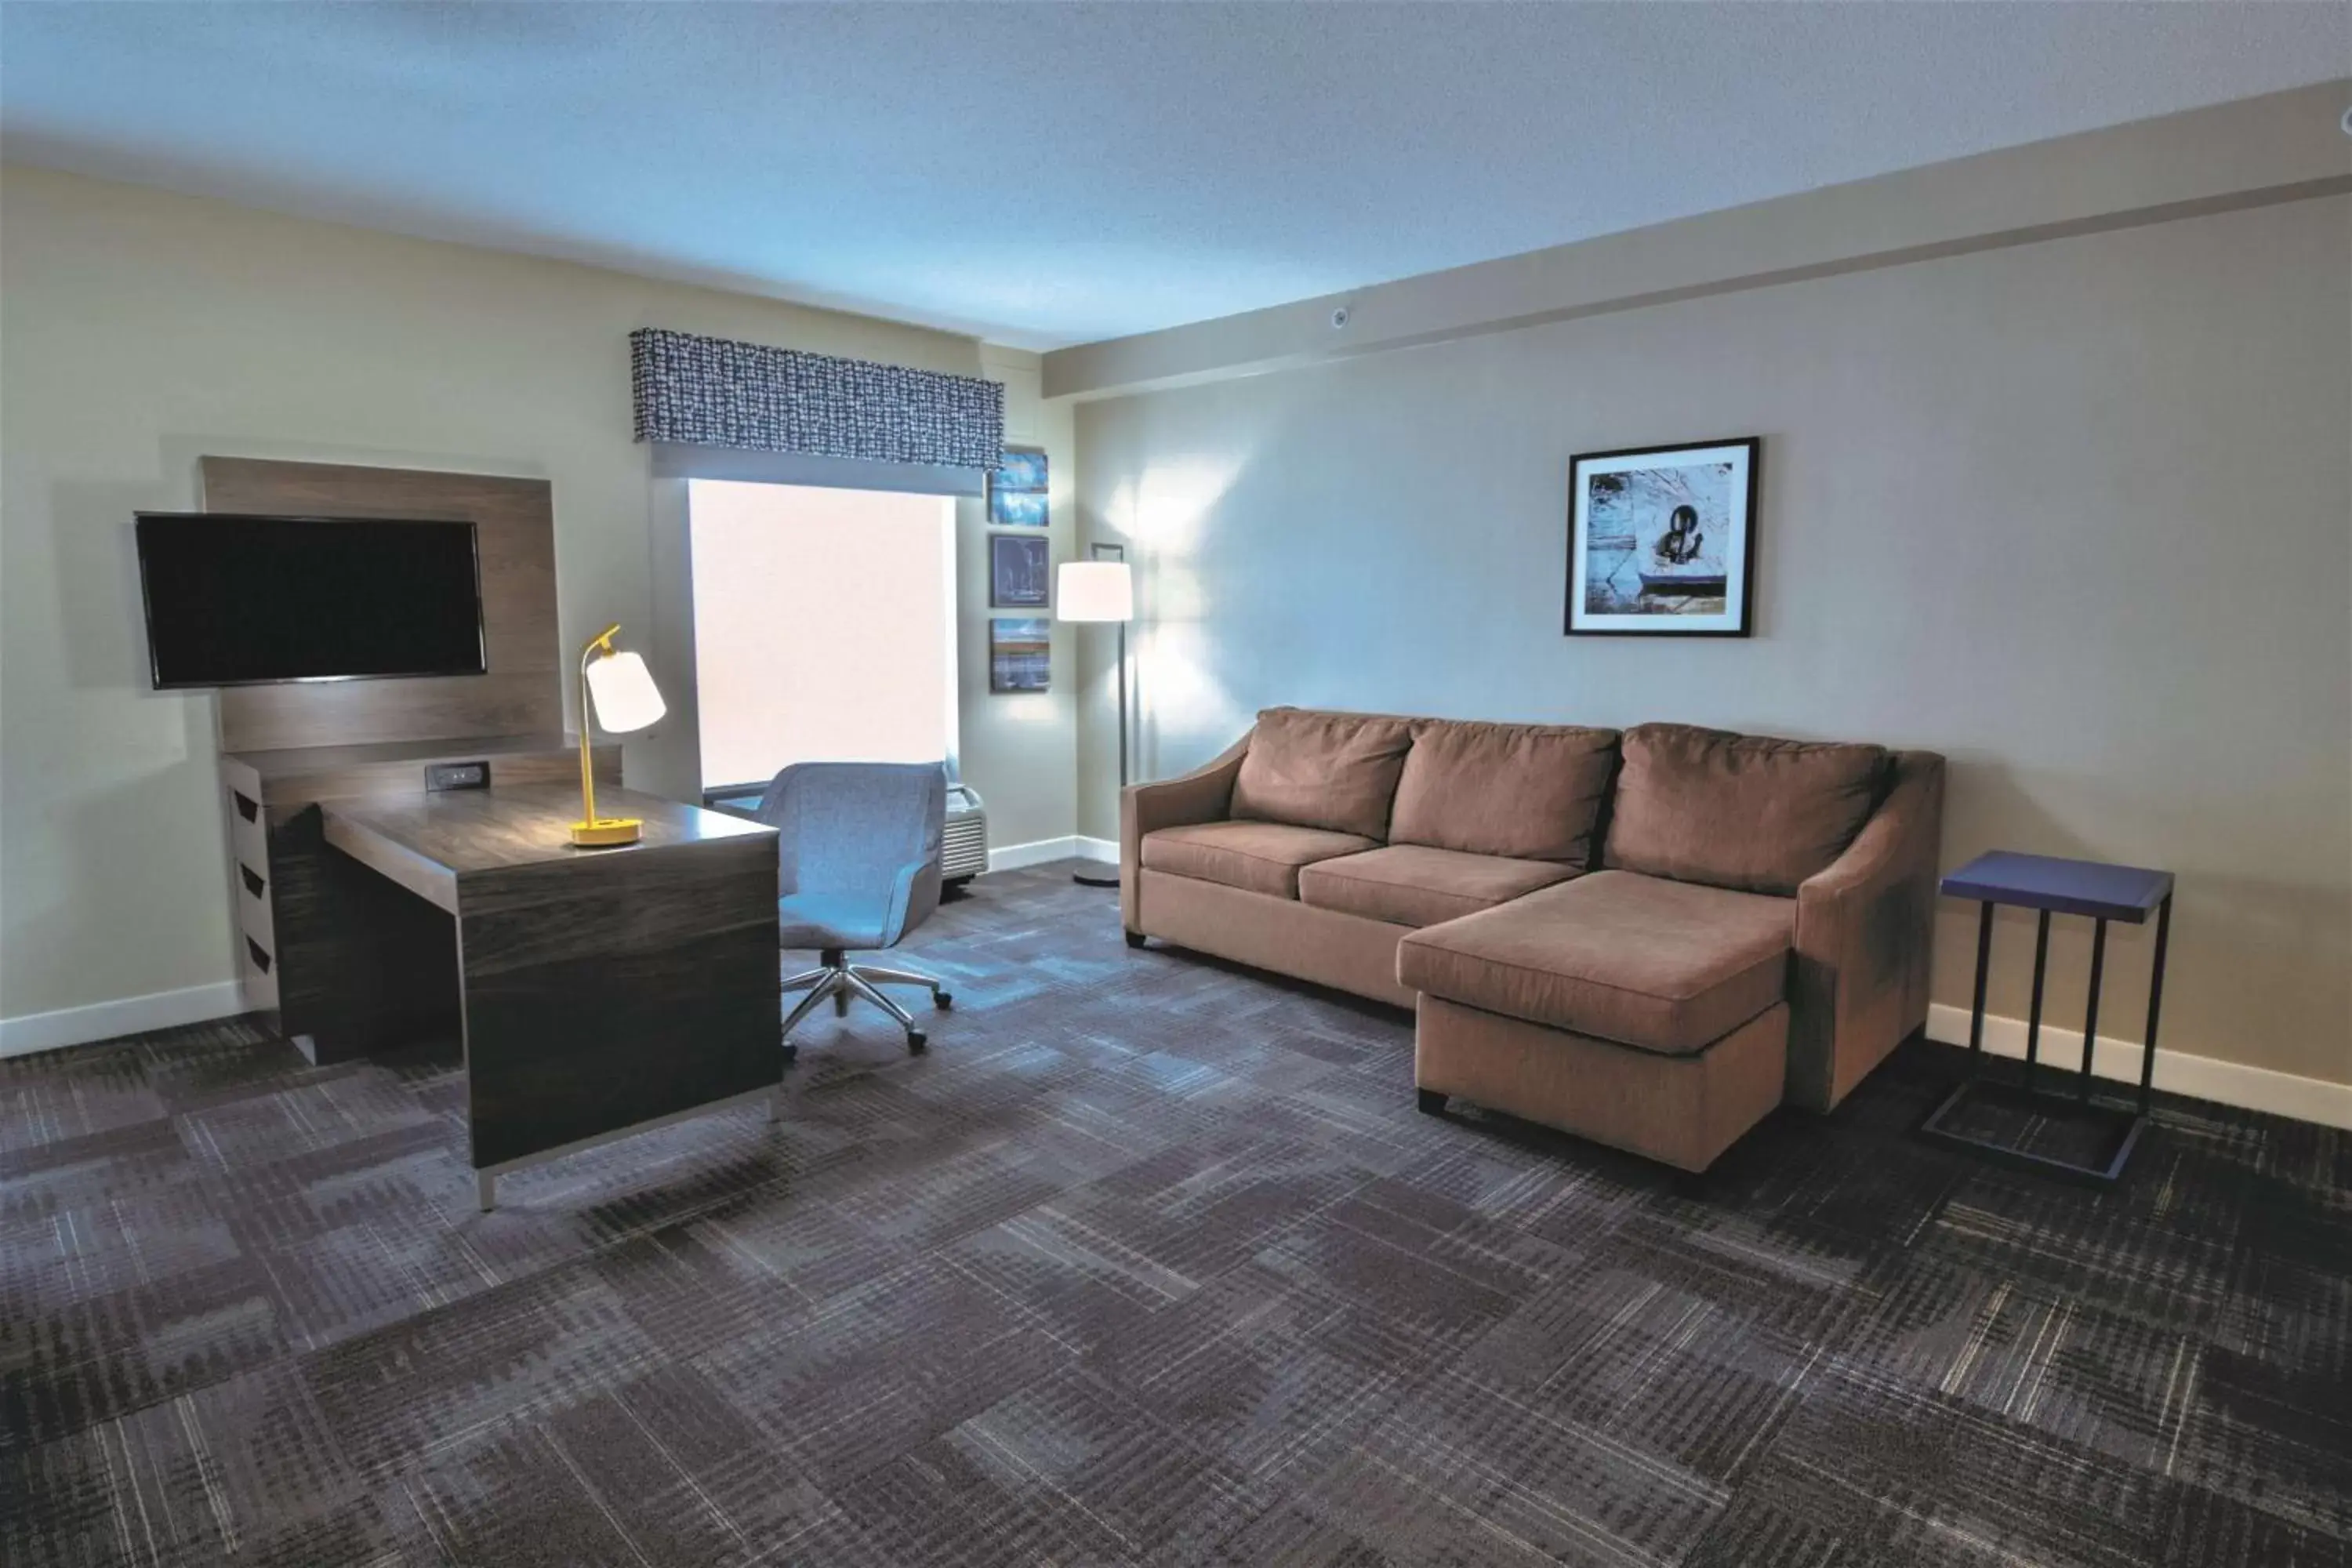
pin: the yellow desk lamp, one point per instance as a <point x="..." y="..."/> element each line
<point x="620" y="691"/>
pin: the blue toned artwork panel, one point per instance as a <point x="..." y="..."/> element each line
<point x="1023" y="468"/>
<point x="1020" y="653"/>
<point x="1017" y="508"/>
<point x="1019" y="570"/>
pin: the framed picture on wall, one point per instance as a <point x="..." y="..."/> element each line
<point x="1661" y="541"/>
<point x="1016" y="490"/>
<point x="1019" y="571"/>
<point x="1020" y="653"/>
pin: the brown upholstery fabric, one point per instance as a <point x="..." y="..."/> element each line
<point x="1414" y="885"/>
<point x="1531" y="792"/>
<point x="1738" y="811"/>
<point x="1865" y="929"/>
<point x="1685" y="1111"/>
<point x="1667" y="966"/>
<point x="1342" y="950"/>
<point x="1204" y="795"/>
<point x="1322" y="770"/>
<point x="1263" y="857"/>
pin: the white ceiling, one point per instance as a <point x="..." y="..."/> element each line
<point x="1044" y="175"/>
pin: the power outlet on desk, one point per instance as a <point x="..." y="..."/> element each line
<point x="441" y="776"/>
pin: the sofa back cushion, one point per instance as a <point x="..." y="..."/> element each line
<point x="1738" y="811"/>
<point x="1335" y="771"/>
<point x="1531" y="792"/>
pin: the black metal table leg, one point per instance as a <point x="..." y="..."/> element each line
<point x="2155" y="1001"/>
<point x="1976" y="1012"/>
<point x="2091" y="1010"/>
<point x="2033" y="1017"/>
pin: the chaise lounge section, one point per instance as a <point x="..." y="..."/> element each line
<point x="1649" y="938"/>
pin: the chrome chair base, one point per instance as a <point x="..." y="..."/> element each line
<point x="836" y="980"/>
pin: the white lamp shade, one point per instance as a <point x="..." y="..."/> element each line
<point x="1094" y="591"/>
<point x="624" y="693"/>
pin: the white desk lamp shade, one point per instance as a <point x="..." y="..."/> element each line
<point x="1094" y="591"/>
<point x="623" y="690"/>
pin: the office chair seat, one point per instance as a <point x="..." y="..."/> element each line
<point x="855" y="921"/>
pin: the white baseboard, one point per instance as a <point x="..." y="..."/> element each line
<point x="2206" y="1077"/>
<point x="129" y="1016"/>
<point x="1073" y="845"/>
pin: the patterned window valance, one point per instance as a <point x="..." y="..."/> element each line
<point x="713" y="391"/>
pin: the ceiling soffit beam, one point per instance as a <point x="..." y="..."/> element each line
<point x="2284" y="146"/>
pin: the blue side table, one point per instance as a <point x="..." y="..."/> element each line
<point x="2052" y="886"/>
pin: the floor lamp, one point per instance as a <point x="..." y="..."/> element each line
<point x="1102" y="589"/>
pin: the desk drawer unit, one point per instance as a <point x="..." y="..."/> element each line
<point x="250" y="878"/>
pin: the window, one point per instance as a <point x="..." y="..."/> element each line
<point x="824" y="626"/>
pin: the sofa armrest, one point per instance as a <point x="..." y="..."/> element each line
<point x="1204" y="795"/>
<point x="1864" y="928"/>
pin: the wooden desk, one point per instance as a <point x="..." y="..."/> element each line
<point x="599" y="990"/>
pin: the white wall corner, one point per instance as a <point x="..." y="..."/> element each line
<point x="2177" y="1072"/>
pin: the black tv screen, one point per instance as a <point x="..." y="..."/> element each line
<point x="239" y="601"/>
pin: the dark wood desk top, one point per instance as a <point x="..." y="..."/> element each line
<point x="428" y="843"/>
<point x="2064" y="886"/>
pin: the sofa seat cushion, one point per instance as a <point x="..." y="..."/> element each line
<point x="1414" y="885"/>
<point x="1531" y="792"/>
<point x="1256" y="856"/>
<point x="1313" y="769"/>
<point x="1666" y="966"/>
<point x="1739" y="811"/>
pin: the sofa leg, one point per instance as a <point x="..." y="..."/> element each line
<point x="1135" y="939"/>
<point x="1432" y="1102"/>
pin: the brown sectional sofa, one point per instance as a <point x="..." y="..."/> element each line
<point x="1649" y="938"/>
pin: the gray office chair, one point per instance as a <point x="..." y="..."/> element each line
<point x="858" y="846"/>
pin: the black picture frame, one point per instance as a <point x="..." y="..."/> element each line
<point x="1019" y="572"/>
<point x="1020" y="653"/>
<point x="1583" y="614"/>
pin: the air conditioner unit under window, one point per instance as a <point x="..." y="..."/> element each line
<point x="964" y="854"/>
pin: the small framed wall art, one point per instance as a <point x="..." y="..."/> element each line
<point x="1661" y="541"/>
<point x="1019" y="571"/>
<point x="1016" y="490"/>
<point x="1020" y="653"/>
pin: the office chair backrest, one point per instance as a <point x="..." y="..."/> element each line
<point x="851" y="826"/>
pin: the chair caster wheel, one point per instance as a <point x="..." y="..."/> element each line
<point x="917" y="1042"/>
<point x="942" y="1000"/>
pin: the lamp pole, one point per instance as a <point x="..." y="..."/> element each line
<point x="1115" y="552"/>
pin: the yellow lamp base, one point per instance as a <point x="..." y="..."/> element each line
<point x="606" y="832"/>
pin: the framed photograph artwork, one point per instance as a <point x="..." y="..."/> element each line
<point x="1661" y="541"/>
<point x="1016" y="490"/>
<point x="1020" y="653"/>
<point x="1019" y="571"/>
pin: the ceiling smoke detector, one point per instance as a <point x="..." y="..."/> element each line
<point x="1338" y="317"/>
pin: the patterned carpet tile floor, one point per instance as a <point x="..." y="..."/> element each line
<point x="1149" y="1261"/>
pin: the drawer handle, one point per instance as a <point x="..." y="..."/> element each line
<point x="253" y="884"/>
<point x="247" y="809"/>
<point x="260" y="954"/>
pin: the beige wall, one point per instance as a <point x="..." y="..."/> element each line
<point x="2077" y="514"/>
<point x="1019" y="749"/>
<point x="140" y="331"/>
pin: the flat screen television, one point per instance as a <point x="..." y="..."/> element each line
<point x="247" y="601"/>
